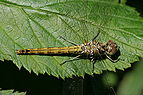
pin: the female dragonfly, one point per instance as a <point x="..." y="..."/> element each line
<point x="91" y="50"/>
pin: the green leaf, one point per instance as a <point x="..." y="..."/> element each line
<point x="39" y="24"/>
<point x="10" y="92"/>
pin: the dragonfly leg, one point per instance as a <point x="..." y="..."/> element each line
<point x="72" y="59"/>
<point x="96" y="36"/>
<point x="93" y="62"/>
<point x="114" y="61"/>
<point x="68" y="41"/>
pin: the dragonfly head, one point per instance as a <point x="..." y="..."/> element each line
<point x="111" y="48"/>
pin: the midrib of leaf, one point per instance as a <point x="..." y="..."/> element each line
<point x="78" y="19"/>
<point x="46" y="11"/>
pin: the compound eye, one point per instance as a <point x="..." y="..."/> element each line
<point x="112" y="47"/>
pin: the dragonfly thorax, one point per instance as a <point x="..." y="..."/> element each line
<point x="92" y="48"/>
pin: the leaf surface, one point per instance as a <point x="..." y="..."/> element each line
<point x="39" y="24"/>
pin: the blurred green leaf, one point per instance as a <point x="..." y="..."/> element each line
<point x="110" y="79"/>
<point x="38" y="24"/>
<point x="132" y="82"/>
<point x="10" y="92"/>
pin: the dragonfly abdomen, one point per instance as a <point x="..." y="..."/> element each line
<point x="51" y="51"/>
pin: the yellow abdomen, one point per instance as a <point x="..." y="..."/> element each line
<point x="51" y="51"/>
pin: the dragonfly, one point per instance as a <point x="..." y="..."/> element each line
<point x="92" y="50"/>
